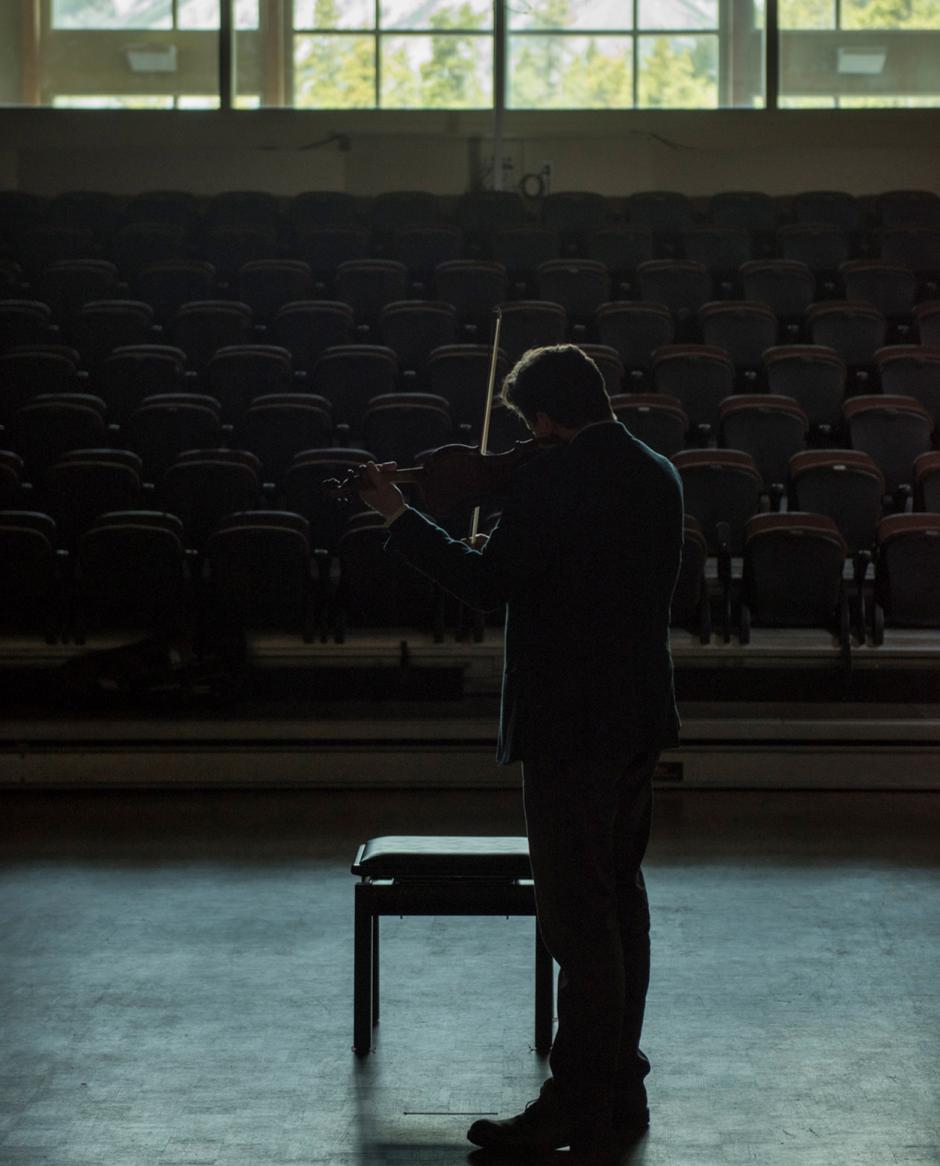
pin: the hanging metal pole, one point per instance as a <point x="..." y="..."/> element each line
<point x="499" y="90"/>
<point x="226" y="54"/>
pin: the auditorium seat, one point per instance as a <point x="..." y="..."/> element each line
<point x="667" y="213"/>
<point x="29" y="372"/>
<point x="307" y="328"/>
<point x="25" y="322"/>
<point x="911" y="370"/>
<point x="204" y="485"/>
<point x="42" y="245"/>
<point x="893" y="430"/>
<point x="412" y="329"/>
<point x="319" y="209"/>
<point x="19" y="210"/>
<point x="278" y="426"/>
<point x="786" y="287"/>
<point x="907" y="567"/>
<point x="31" y="575"/>
<point x="522" y="250"/>
<point x="460" y="374"/>
<point x="167" y="285"/>
<point x="768" y="427"/>
<point x="102" y="326"/>
<point x="814" y="376"/>
<point x="85" y="483"/>
<point x="579" y="285"/>
<point x="720" y="250"/>
<point x="896" y="208"/>
<point x="266" y="285"/>
<point x="836" y="208"/>
<point x="530" y="324"/>
<point x="302" y="491"/>
<point x="399" y="426"/>
<point x="621" y="249"/>
<point x="853" y="328"/>
<point x="12" y="480"/>
<point x="394" y="209"/>
<point x="720" y="486"/>
<point x="204" y="327"/>
<point x="85" y="210"/>
<point x="654" y="418"/>
<point x="916" y="247"/>
<point x="752" y="210"/>
<point x="177" y="208"/>
<point x="132" y="575"/>
<point x="228" y="248"/>
<point x="52" y="424"/>
<point x="349" y="376"/>
<point x="69" y="284"/>
<point x="690" y="603"/>
<point x="744" y="331"/>
<point x="422" y="248"/>
<point x="927" y="481"/>
<point x="682" y="286"/>
<point x="608" y="361"/>
<point x="792" y="575"/>
<point x="129" y="374"/>
<point x="822" y="247"/>
<point x="164" y="425"/>
<point x="475" y="288"/>
<point x="367" y="285"/>
<point x="138" y="244"/>
<point x="573" y="215"/>
<point x="699" y="376"/>
<point x="256" y="210"/>
<point x="237" y="373"/>
<point x="261" y="573"/>
<point x="480" y="213"/>
<point x="844" y="484"/>
<point x="635" y="330"/>
<point x="324" y="250"/>
<point x="379" y="590"/>
<point x="927" y="319"/>
<point x="889" y="286"/>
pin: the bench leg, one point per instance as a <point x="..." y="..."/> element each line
<point x="362" y="975"/>
<point x="375" y="970"/>
<point x="544" y="995"/>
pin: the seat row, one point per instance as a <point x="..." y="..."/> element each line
<point x="572" y="213"/>
<point x="131" y="570"/>
<point x="475" y="288"/>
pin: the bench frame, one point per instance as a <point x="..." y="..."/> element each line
<point x="439" y="895"/>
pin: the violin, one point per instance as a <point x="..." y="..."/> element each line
<point x="453" y="477"/>
<point x="450" y="478"/>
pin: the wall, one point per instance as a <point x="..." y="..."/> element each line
<point x="613" y="152"/>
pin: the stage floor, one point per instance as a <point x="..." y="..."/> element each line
<point x="176" y="983"/>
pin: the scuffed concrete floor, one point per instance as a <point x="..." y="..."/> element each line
<point x="176" y="983"/>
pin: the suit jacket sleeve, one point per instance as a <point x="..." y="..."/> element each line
<point x="518" y="552"/>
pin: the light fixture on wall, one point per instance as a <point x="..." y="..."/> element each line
<point x="866" y="61"/>
<point x="151" y="58"/>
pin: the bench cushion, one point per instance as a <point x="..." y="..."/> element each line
<point x="402" y="856"/>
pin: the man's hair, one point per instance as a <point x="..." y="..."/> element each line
<point x="559" y="380"/>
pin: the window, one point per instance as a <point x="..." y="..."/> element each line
<point x="442" y="54"/>
<point x="397" y="54"/>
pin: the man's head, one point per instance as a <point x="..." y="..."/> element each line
<point x="557" y="389"/>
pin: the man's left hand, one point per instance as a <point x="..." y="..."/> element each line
<point x="379" y="491"/>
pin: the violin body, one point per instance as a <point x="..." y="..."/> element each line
<point x="451" y="478"/>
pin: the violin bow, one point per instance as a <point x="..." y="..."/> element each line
<point x="487" y="412"/>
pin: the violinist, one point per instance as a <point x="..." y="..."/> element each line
<point x="585" y="557"/>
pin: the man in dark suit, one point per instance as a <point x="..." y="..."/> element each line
<point x="585" y="556"/>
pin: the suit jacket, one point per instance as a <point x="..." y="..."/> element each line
<point x="585" y="556"/>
